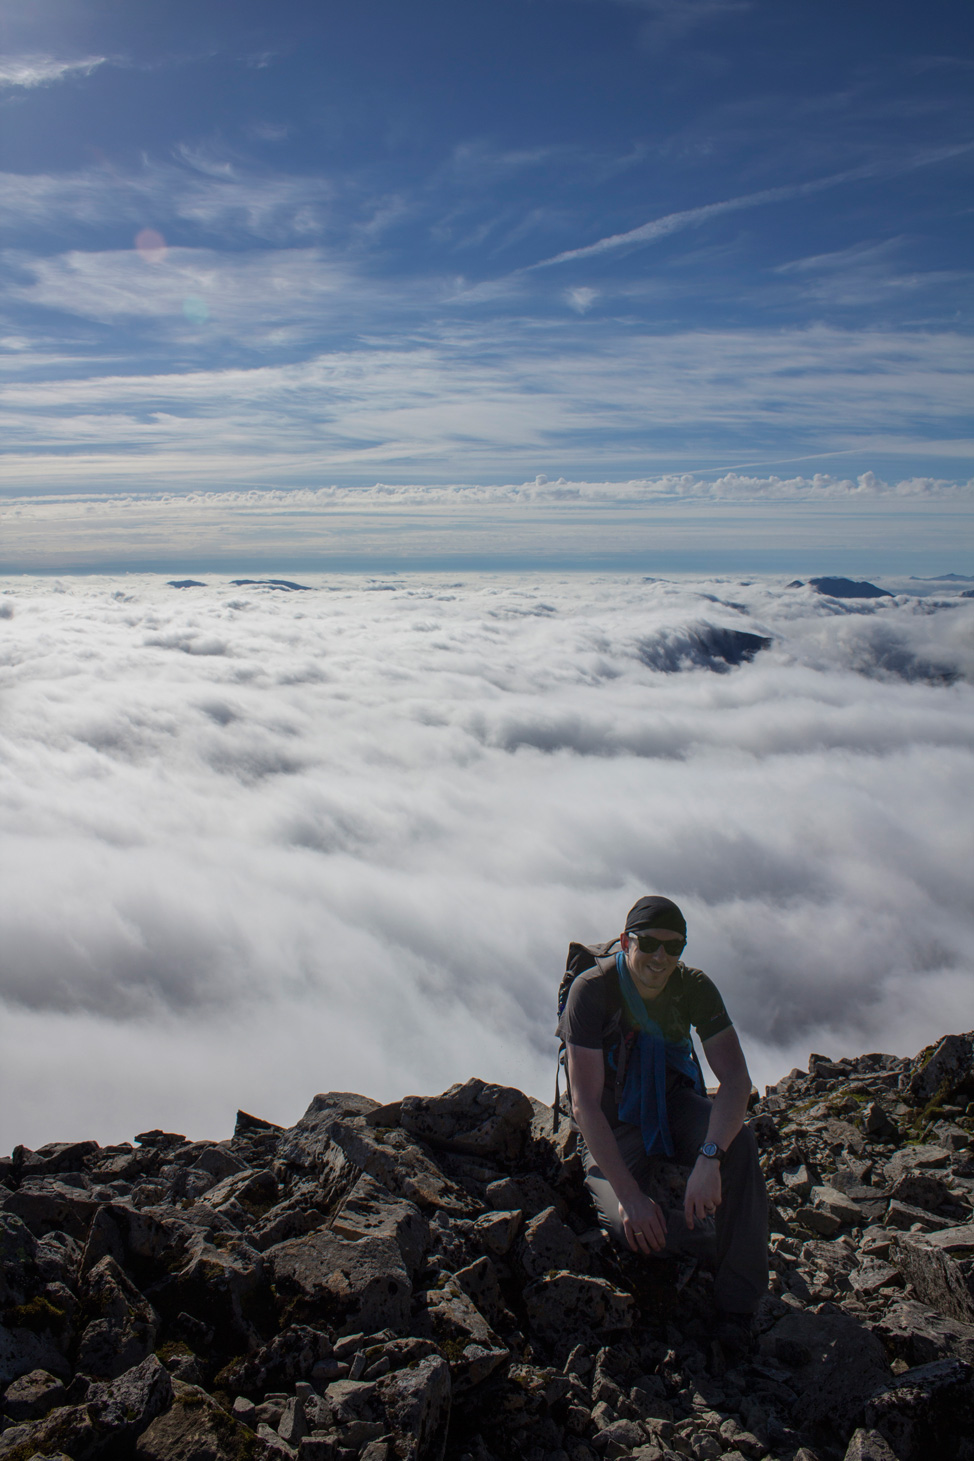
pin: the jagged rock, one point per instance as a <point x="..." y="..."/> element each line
<point x="160" y="1140"/>
<point x="741" y="1440"/>
<point x="875" y="1241"/>
<point x="817" y="1220"/>
<point x="417" y="1404"/>
<point x="838" y="1137"/>
<point x="122" y="1330"/>
<point x="218" y="1285"/>
<point x="911" y="1159"/>
<point x="294" y="1217"/>
<point x="292" y="1425"/>
<point x="797" y="1180"/>
<point x="289" y="1357"/>
<point x="476" y="1118"/>
<point x="948" y="1070"/>
<point x="480" y="1284"/>
<point x="57" y="1157"/>
<point x="954" y="1138"/>
<point x="940" y="1266"/>
<point x="837" y="1205"/>
<point x="217" y="1162"/>
<point x="355" y="1285"/>
<point x="322" y="1448"/>
<point x="412" y="1403"/>
<point x="529" y="1194"/>
<point x="371" y="1210"/>
<point x="127" y="1405"/>
<point x="565" y="1308"/>
<point x="57" y="1260"/>
<point x="837" y="1364"/>
<point x="548" y="1243"/>
<point x="903" y="1216"/>
<point x="452" y="1319"/>
<point x="919" y="1335"/>
<point x="276" y="1446"/>
<point x="18" y="1265"/>
<point x="114" y="1163"/>
<point x="869" y="1445"/>
<point x="921" y="1189"/>
<point x="619" y="1437"/>
<point x="32" y="1396"/>
<point x="877" y="1122"/>
<point x="256" y="1190"/>
<point x="350" y="1400"/>
<point x="136" y="1240"/>
<point x="551" y="1145"/>
<point x="765" y="1130"/>
<point x="474" y="1364"/>
<point x="68" y="1430"/>
<point x="925" y="1411"/>
<point x="874" y="1275"/>
<point x="21" y="1350"/>
<point x="245" y="1411"/>
<point x="496" y="1231"/>
<point x="196" y="1428"/>
<point x="51" y="1207"/>
<point x="333" y="1139"/>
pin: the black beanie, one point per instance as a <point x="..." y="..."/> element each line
<point x="656" y="912"/>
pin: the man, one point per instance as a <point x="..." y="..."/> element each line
<point x="637" y="1093"/>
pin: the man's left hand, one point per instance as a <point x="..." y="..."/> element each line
<point x="703" y="1191"/>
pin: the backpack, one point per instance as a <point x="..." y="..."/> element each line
<point x="582" y="957"/>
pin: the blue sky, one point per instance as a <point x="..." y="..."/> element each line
<point x="308" y="246"/>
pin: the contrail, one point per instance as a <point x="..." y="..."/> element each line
<point x="688" y="217"/>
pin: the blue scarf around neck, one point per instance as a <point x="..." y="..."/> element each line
<point x="643" y="1102"/>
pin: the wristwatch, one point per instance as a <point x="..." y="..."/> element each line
<point x="711" y="1149"/>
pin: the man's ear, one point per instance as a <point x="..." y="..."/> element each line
<point x="624" y="941"/>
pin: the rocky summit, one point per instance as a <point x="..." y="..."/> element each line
<point x="425" y="1281"/>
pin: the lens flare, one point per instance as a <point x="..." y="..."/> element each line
<point x="151" y="245"/>
<point x="195" y="309"/>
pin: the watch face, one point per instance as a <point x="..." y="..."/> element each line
<point x="709" y="1148"/>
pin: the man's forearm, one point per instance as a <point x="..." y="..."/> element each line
<point x="604" y="1149"/>
<point x="729" y="1110"/>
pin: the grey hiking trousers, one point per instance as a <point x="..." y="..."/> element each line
<point x="736" y="1241"/>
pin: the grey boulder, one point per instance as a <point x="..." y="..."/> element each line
<point x="122" y="1330"/>
<point x="569" y="1308"/>
<point x="867" y="1445"/>
<point x="548" y="1243"/>
<point x="948" y="1070"/>
<point x="837" y="1364"/>
<point x="922" y="1412"/>
<point x="476" y="1119"/>
<point x="940" y="1266"/>
<point x="357" y="1285"/>
<point x="32" y="1396"/>
<point x="196" y="1428"/>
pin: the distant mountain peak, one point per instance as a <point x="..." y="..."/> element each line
<point x="843" y="588"/>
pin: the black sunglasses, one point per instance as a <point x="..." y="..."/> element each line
<point x="649" y="945"/>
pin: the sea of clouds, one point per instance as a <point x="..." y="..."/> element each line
<point x="261" y="842"/>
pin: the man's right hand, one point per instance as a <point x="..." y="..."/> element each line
<point x="643" y="1223"/>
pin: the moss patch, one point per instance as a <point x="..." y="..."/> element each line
<point x="38" y="1315"/>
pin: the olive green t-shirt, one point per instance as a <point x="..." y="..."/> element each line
<point x="596" y="1018"/>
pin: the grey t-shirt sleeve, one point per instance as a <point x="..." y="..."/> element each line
<point x="583" y="1020"/>
<point x="708" y="1013"/>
